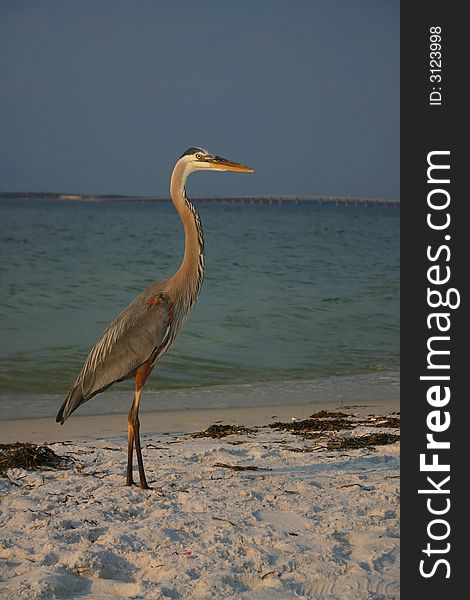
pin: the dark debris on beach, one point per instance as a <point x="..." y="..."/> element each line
<point x="30" y="457"/>
<point x="240" y="467"/>
<point x="321" y="427"/>
<point x="328" y="422"/>
<point x="362" y="441"/>
<point x="320" y="421"/>
<point x="220" y="431"/>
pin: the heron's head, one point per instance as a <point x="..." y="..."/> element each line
<point x="198" y="159"/>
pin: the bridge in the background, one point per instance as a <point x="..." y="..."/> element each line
<point x="279" y="200"/>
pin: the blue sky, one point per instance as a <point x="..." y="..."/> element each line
<point x="104" y="95"/>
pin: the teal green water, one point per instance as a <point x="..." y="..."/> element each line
<point x="291" y="293"/>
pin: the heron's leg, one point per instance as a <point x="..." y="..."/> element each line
<point x="143" y="482"/>
<point x="133" y="429"/>
<point x="130" y="448"/>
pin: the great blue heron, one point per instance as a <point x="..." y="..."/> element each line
<point x="142" y="333"/>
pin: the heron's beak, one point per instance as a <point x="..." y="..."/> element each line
<point x="222" y="164"/>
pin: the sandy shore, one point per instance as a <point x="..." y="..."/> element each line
<point x="306" y="521"/>
<point x="177" y="421"/>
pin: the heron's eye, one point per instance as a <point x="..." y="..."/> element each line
<point x="198" y="156"/>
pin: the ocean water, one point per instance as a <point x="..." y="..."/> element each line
<point x="299" y="294"/>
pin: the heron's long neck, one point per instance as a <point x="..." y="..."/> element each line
<point x="188" y="279"/>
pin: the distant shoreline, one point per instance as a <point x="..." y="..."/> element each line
<point x="317" y="200"/>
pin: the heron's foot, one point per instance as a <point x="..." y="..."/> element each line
<point x="143" y="485"/>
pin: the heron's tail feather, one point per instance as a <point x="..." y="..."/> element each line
<point x="73" y="401"/>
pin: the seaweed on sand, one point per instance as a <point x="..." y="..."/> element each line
<point x="31" y="457"/>
<point x="363" y="441"/>
<point x="320" y="421"/>
<point x="219" y="431"/>
<point x="389" y="421"/>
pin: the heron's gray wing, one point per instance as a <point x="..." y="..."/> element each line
<point x="134" y="337"/>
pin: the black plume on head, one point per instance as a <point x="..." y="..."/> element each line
<point x="192" y="150"/>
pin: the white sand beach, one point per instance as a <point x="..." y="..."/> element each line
<point x="306" y="521"/>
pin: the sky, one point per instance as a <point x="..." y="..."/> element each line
<point x="103" y="96"/>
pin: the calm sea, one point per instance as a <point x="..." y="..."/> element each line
<point x="293" y="296"/>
